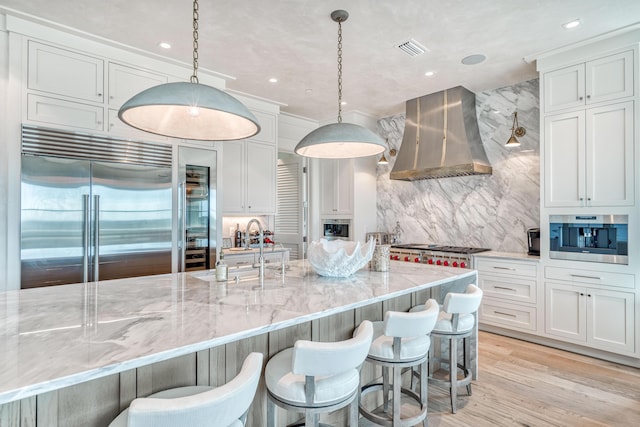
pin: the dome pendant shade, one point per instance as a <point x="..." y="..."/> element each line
<point x="189" y="111"/>
<point x="340" y="141"/>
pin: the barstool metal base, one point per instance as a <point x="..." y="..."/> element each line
<point x="393" y="418"/>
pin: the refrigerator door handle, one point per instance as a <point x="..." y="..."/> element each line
<point x="96" y="238"/>
<point x="85" y="238"/>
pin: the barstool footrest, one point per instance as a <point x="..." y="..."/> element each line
<point x="387" y="419"/>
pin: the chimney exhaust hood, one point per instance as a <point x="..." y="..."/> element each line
<point x="441" y="138"/>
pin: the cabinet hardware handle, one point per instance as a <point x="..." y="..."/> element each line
<point x="505" y="314"/>
<point x="589" y="295"/>
<point x="99" y="94"/>
<point x="581" y="98"/>
<point x="585" y="277"/>
<point x="505" y="288"/>
<point x="588" y="96"/>
<point x="581" y="294"/>
<point x="504" y="268"/>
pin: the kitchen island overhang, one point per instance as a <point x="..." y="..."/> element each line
<point x="60" y="336"/>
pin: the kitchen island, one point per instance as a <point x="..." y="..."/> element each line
<point x="78" y="354"/>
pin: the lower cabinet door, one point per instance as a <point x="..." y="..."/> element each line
<point x="610" y="320"/>
<point x="566" y="312"/>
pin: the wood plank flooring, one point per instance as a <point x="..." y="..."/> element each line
<point x="525" y="384"/>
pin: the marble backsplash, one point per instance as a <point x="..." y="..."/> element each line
<point x="491" y="211"/>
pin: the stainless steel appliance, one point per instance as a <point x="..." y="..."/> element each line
<point x="92" y="208"/>
<point x="382" y="238"/>
<point x="533" y="238"/>
<point x="595" y="238"/>
<point x="197" y="213"/>
<point x="446" y="256"/>
<point x="333" y="229"/>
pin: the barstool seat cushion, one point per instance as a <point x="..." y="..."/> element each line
<point x="382" y="345"/>
<point x="122" y="419"/>
<point x="444" y="325"/>
<point x="289" y="387"/>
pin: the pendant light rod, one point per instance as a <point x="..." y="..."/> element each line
<point x="190" y="110"/>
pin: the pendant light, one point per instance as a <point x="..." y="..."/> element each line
<point x="340" y="140"/>
<point x="190" y="110"/>
<point x="516" y="130"/>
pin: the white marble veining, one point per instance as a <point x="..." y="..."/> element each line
<point x="63" y="335"/>
<point x="491" y="211"/>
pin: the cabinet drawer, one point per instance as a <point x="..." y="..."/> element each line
<point x="591" y="277"/>
<point x="527" y="269"/>
<point x="510" y="288"/>
<point x="508" y="315"/>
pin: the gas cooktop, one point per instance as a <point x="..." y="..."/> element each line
<point x="439" y="248"/>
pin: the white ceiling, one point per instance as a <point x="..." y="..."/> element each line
<point x="296" y="42"/>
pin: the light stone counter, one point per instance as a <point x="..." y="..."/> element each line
<point x="59" y="336"/>
<point x="508" y="255"/>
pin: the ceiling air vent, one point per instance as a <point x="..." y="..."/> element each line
<point x="412" y="48"/>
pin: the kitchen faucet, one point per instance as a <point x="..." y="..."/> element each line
<point x="248" y="241"/>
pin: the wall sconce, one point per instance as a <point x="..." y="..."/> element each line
<point x="516" y="130"/>
<point x="392" y="153"/>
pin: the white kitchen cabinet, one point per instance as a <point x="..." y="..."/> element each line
<point x="510" y="293"/>
<point x="588" y="83"/>
<point x="125" y="82"/>
<point x="598" y="318"/>
<point x="589" y="156"/>
<point x="53" y="111"/>
<point x="336" y="187"/>
<point x="63" y="72"/>
<point x="249" y="178"/>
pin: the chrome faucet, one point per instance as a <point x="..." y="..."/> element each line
<point x="261" y="258"/>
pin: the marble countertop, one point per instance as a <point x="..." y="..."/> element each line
<point x="508" y="255"/>
<point x="58" y="336"/>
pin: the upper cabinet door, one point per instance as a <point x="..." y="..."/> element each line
<point x="609" y="155"/>
<point x="591" y="82"/>
<point x="261" y="178"/>
<point x="564" y="88"/>
<point x="63" y="72"/>
<point x="125" y="82"/>
<point x="609" y="78"/>
<point x="564" y="159"/>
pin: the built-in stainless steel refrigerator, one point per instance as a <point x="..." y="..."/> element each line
<point x="93" y="208"/>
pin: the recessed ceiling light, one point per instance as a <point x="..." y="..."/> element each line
<point x="343" y="103"/>
<point x="473" y="59"/>
<point x="273" y="80"/>
<point x="430" y="73"/>
<point x="571" y="24"/>
<point x="308" y="91"/>
<point x="164" y="45"/>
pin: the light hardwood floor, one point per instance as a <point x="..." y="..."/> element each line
<point x="525" y="384"/>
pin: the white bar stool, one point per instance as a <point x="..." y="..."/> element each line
<point x="197" y="406"/>
<point x="457" y="320"/>
<point x="400" y="341"/>
<point x="316" y="377"/>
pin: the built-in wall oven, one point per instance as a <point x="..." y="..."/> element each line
<point x="333" y="229"/>
<point x="595" y="238"/>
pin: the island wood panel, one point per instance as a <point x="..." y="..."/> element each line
<point x="235" y="354"/>
<point x="10" y="413"/>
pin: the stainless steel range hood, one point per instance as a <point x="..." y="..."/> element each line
<point x="441" y="138"/>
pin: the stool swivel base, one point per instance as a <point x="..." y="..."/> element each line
<point x="382" y="416"/>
